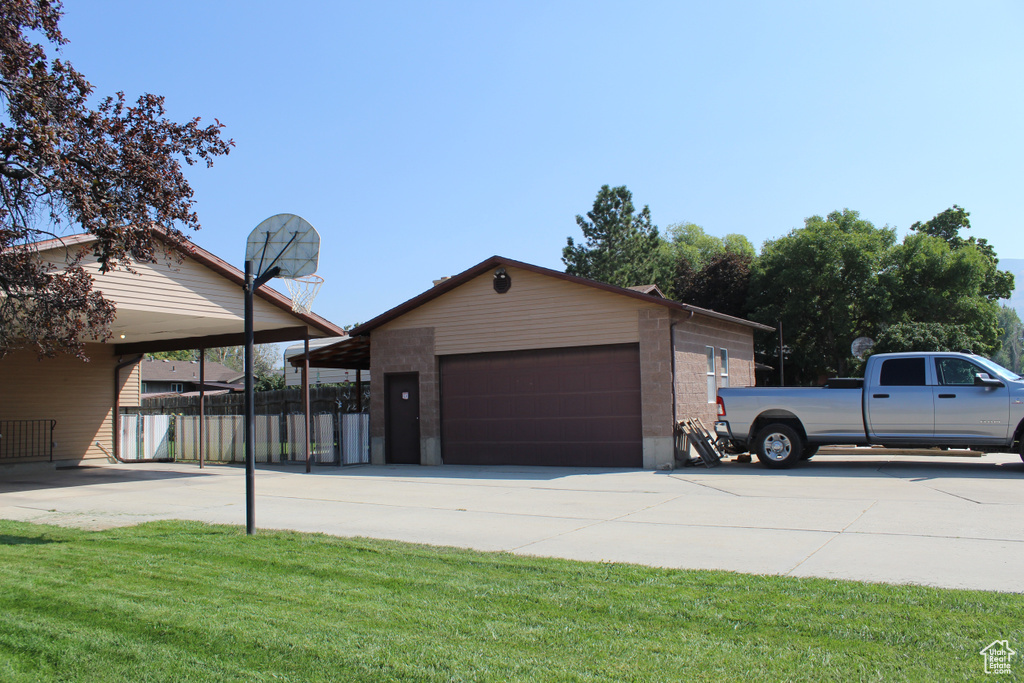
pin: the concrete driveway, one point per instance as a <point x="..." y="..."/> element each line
<point x="943" y="521"/>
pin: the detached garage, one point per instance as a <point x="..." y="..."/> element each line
<point x="509" y="363"/>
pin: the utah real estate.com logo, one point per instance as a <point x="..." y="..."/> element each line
<point x="997" y="657"/>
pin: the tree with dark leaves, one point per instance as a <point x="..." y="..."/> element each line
<point x="723" y="284"/>
<point x="113" y="171"/>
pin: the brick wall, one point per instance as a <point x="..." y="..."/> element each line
<point x="405" y="350"/>
<point x="656" y="386"/>
<point x="692" y="337"/>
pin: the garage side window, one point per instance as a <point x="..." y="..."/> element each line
<point x="723" y="367"/>
<point x="712" y="388"/>
<point x="902" y="372"/>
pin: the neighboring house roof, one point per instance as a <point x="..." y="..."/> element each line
<point x="299" y="349"/>
<point x="649" y="289"/>
<point x="497" y="261"/>
<point x="219" y="329"/>
<point x="153" y="370"/>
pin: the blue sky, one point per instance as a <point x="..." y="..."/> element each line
<point x="420" y="138"/>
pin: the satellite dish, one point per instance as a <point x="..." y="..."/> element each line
<point x="860" y="346"/>
<point x="285" y="241"/>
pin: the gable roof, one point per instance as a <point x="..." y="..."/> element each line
<point x="454" y="281"/>
<point x="229" y="332"/>
<point x="649" y="289"/>
<point x="154" y="370"/>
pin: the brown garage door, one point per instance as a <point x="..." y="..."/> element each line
<point x="563" y="407"/>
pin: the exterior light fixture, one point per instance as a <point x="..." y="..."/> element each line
<point x="502" y="281"/>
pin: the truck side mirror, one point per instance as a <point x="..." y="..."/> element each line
<point x="982" y="379"/>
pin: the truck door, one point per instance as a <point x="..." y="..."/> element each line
<point x="899" y="402"/>
<point x="964" y="412"/>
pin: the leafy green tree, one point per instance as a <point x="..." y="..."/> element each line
<point x="822" y="282"/>
<point x="946" y="226"/>
<point x="188" y="355"/>
<point x="269" y="381"/>
<point x="621" y="247"/>
<point x="929" y="281"/>
<point x="1011" y="340"/>
<point x="689" y="242"/>
<point x="114" y="171"/>
<point x="923" y="337"/>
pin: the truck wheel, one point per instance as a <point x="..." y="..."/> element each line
<point x="808" y="452"/>
<point x="778" y="446"/>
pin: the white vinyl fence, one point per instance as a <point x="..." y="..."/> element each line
<point x="341" y="439"/>
<point x="145" y="437"/>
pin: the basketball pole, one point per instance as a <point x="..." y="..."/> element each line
<point x="251" y="285"/>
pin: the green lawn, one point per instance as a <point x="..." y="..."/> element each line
<point x="178" y="601"/>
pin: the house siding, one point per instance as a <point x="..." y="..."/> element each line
<point x="78" y="395"/>
<point x="168" y="287"/>
<point x="537" y="312"/>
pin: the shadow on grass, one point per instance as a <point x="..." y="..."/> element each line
<point x="6" y="539"/>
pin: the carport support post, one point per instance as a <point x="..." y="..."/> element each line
<point x="305" y="394"/>
<point x="202" y="405"/>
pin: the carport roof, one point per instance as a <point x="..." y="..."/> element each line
<point x="214" y="331"/>
<point x="499" y="261"/>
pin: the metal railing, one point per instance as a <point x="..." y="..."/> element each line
<point x="26" y="439"/>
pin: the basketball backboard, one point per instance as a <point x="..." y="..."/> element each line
<point x="285" y="241"/>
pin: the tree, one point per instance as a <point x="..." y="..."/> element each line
<point x="947" y="226"/>
<point x="113" y="171"/>
<point x="931" y="282"/>
<point x="688" y="241"/>
<point x="1011" y="340"/>
<point x="622" y="247"/>
<point x="923" y="337"/>
<point x="266" y="364"/>
<point x="821" y="281"/>
<point x="723" y="284"/>
<point x="185" y="355"/>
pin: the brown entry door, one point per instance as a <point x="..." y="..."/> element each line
<point x="402" y="418"/>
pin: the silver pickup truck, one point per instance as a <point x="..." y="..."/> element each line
<point x="905" y="400"/>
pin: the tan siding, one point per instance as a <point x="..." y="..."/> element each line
<point x="187" y="288"/>
<point x="79" y="396"/>
<point x="131" y="387"/>
<point x="537" y="312"/>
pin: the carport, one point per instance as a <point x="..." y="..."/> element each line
<point x="187" y="299"/>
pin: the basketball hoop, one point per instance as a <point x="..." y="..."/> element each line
<point x="303" y="290"/>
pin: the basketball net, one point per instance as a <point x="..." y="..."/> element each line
<point x="303" y="290"/>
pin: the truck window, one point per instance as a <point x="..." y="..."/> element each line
<point x="902" y="372"/>
<point x="956" y="371"/>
